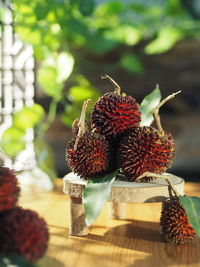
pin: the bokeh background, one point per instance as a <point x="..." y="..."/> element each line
<point x="138" y="43"/>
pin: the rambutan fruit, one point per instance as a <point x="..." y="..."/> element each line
<point x="175" y="227"/>
<point x="91" y="157"/>
<point x="9" y="189"/>
<point x="144" y="149"/>
<point x="23" y="232"/>
<point x="114" y="113"/>
<point x="88" y="153"/>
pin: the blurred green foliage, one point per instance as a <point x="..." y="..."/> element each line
<point x="13" y="139"/>
<point x="58" y="28"/>
<point x="64" y="31"/>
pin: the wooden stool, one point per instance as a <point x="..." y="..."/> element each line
<point x="121" y="193"/>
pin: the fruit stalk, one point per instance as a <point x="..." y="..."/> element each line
<point x="81" y="124"/>
<point x="155" y="111"/>
<point x="117" y="87"/>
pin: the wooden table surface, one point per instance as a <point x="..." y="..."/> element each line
<point x="134" y="242"/>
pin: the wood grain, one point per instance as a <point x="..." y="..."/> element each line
<point x="132" y="242"/>
<point x="128" y="192"/>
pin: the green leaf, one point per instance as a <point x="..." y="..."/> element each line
<point x="12" y="141"/>
<point x="86" y="7"/>
<point x="54" y="71"/>
<point x="28" y="117"/>
<point x="192" y="208"/>
<point x="110" y="8"/>
<point x="148" y="103"/>
<point x="41" y="10"/>
<point x="14" y="261"/>
<point x="80" y="93"/>
<point x="126" y="34"/>
<point x="131" y="63"/>
<point x="100" y="44"/>
<point x="70" y="113"/>
<point x="44" y="158"/>
<point x="47" y="77"/>
<point x="166" y="39"/>
<point x="65" y="65"/>
<point x="95" y="194"/>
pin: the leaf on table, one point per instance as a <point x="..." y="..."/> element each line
<point x="95" y="194"/>
<point x="192" y="208"/>
<point x="148" y="103"/>
<point x="14" y="260"/>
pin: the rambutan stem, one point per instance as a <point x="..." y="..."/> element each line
<point x="117" y="87"/>
<point x="156" y="175"/>
<point x="155" y="111"/>
<point x="81" y="123"/>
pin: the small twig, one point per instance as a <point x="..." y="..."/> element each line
<point x="155" y="111"/>
<point x="156" y="175"/>
<point x="81" y="123"/>
<point x="117" y="87"/>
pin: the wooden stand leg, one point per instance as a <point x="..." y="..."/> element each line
<point x="77" y="226"/>
<point x="118" y="210"/>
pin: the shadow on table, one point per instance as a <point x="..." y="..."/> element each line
<point x="145" y="237"/>
<point x="171" y="254"/>
<point x="141" y="236"/>
<point x="49" y="261"/>
<point x="135" y="230"/>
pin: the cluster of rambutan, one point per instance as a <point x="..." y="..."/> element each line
<point x="115" y="140"/>
<point x="22" y="231"/>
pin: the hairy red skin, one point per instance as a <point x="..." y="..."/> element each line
<point x="175" y="227"/>
<point x="23" y="232"/>
<point x="92" y="156"/>
<point x="144" y="149"/>
<point x="9" y="189"/>
<point x="113" y="114"/>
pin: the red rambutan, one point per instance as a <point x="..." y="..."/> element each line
<point x="175" y="227"/>
<point x="91" y="157"/>
<point x="23" y="232"/>
<point x="88" y="153"/>
<point x="144" y="149"/>
<point x="9" y="189"/>
<point x="113" y="113"/>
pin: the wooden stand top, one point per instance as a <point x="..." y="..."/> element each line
<point x="127" y="192"/>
